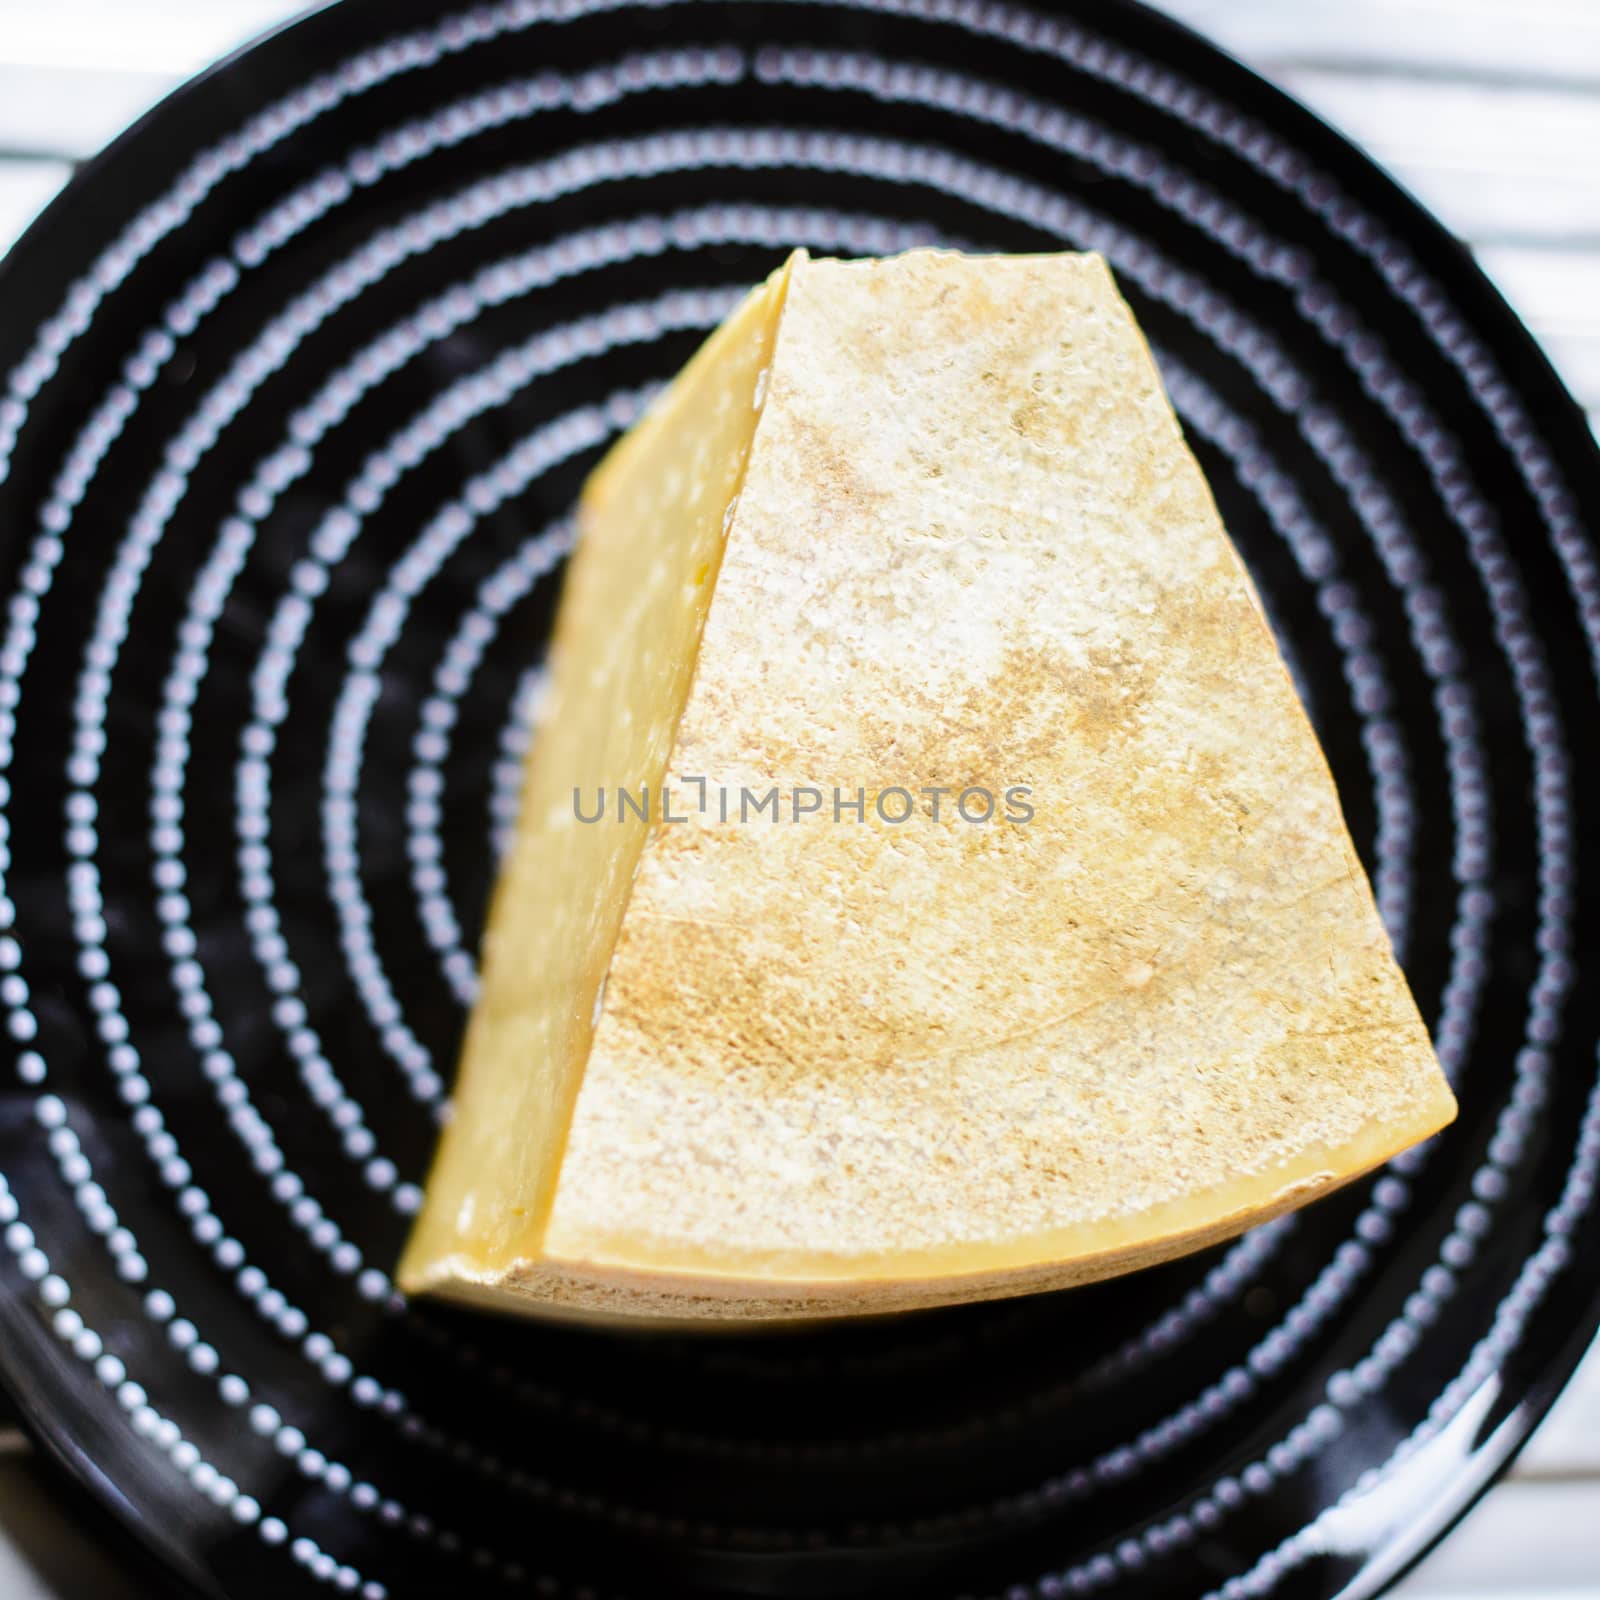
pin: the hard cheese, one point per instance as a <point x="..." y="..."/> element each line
<point x="922" y="524"/>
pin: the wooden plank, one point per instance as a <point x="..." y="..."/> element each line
<point x="1558" y="294"/>
<point x="1491" y="39"/>
<point x="1498" y="165"/>
<point x="74" y="73"/>
<point x="1559" y="290"/>
<point x="1524" y="1591"/>
<point x="1552" y="38"/>
<point x="69" y="112"/>
<point x="1466" y="125"/>
<point x="1524" y="1540"/>
<point x="25" y="187"/>
<point x="1520" y="207"/>
<point x="1568" y="1444"/>
<point x="166" y="37"/>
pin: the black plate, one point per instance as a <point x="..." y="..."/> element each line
<point x="303" y="375"/>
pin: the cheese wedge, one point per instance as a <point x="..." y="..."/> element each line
<point x="901" y="526"/>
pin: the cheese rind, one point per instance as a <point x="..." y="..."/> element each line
<point x="845" y="1066"/>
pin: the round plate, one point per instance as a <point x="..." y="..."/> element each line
<point x="300" y="381"/>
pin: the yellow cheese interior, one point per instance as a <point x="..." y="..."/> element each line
<point x="652" y="524"/>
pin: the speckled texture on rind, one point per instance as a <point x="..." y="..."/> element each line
<point x="845" y="1066"/>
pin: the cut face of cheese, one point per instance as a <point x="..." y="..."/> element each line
<point x="653" y="525"/>
<point x="1114" y="989"/>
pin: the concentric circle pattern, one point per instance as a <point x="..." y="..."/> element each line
<point x="299" y="382"/>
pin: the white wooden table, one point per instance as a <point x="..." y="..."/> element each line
<point x="1488" y="109"/>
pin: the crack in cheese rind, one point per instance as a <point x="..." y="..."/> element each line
<point x="973" y="549"/>
<point x="652" y="525"/>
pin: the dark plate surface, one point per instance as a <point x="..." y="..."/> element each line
<point x="299" y="381"/>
